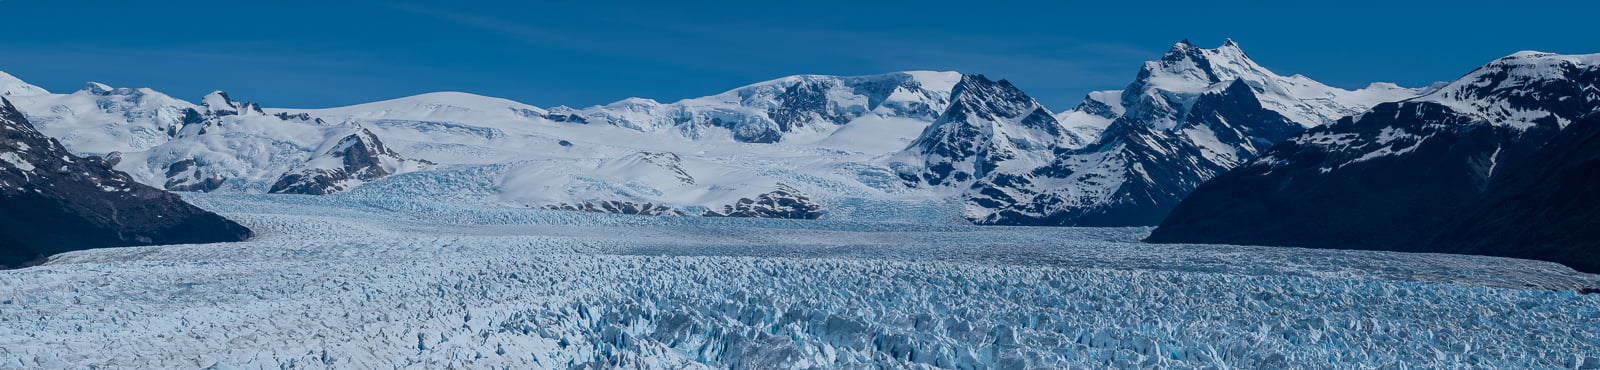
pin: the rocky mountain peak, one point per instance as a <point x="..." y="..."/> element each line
<point x="354" y="159"/>
<point x="218" y="103"/>
<point x="97" y="88"/>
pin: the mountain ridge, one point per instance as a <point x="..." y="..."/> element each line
<point x="1120" y="158"/>
<point x="1379" y="180"/>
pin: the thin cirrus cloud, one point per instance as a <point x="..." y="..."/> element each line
<point x="708" y="50"/>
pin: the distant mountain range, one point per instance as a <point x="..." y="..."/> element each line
<point x="1206" y="143"/>
<point x="908" y="146"/>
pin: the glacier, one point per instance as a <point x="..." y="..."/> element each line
<point x="375" y="279"/>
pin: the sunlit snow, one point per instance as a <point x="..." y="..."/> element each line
<point x="362" y="280"/>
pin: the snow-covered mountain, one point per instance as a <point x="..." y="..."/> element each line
<point x="217" y="145"/>
<point x="799" y="146"/>
<point x="990" y="128"/>
<point x="355" y="159"/>
<point x="1186" y="117"/>
<point x="902" y="146"/>
<point x="99" y="119"/>
<point x="1375" y="179"/>
<point x="55" y="202"/>
<point x="790" y="109"/>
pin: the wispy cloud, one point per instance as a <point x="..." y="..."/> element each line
<point x="520" y="31"/>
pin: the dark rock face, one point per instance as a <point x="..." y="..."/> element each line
<point x="56" y="202"/>
<point x="1548" y="209"/>
<point x="1460" y="170"/>
<point x="767" y="112"/>
<point x="1237" y="120"/>
<point x="619" y="207"/>
<point x="185" y="175"/>
<point x="987" y="122"/>
<point x="359" y="157"/>
<point x="569" y="118"/>
<point x="1138" y="169"/>
<point x="786" y="202"/>
<point x="1318" y="191"/>
<point x="1147" y="171"/>
<point x="668" y="161"/>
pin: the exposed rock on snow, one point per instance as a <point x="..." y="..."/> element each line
<point x="1186" y="118"/>
<point x="620" y="207"/>
<point x="786" y="202"/>
<point x="852" y="142"/>
<point x="353" y="160"/>
<point x="1379" y="180"/>
<point x="52" y="201"/>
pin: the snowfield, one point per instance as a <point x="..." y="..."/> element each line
<point x="350" y="280"/>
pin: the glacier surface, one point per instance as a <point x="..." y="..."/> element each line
<point x="352" y="280"/>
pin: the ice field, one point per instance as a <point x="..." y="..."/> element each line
<point x="378" y="282"/>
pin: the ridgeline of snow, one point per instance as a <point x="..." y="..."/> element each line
<point x="848" y="143"/>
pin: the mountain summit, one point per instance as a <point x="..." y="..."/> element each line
<point x="1384" y="178"/>
<point x="907" y="146"/>
<point x="1185" y="118"/>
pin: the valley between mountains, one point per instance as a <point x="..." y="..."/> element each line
<point x="1211" y="214"/>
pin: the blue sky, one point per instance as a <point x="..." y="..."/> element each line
<point x="311" y="54"/>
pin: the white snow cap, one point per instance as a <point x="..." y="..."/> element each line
<point x="97" y="88"/>
<point x="218" y="101"/>
<point x="13" y="86"/>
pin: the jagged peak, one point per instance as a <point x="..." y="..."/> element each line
<point x="97" y="88"/>
<point x="973" y="81"/>
<point x="218" y="101"/>
<point x="974" y="89"/>
<point x="932" y="80"/>
<point x="1182" y="49"/>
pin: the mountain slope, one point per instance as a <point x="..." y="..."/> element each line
<point x="949" y="146"/>
<point x="54" y="202"/>
<point x="1376" y="180"/>
<point x="820" y="136"/>
<point x="354" y="159"/>
<point x="99" y="119"/>
<point x="1187" y="117"/>
<point x="989" y="126"/>
<point x="218" y="145"/>
<point x="1547" y="209"/>
<point x="790" y="109"/>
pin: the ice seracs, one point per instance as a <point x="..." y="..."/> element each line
<point x="401" y="282"/>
